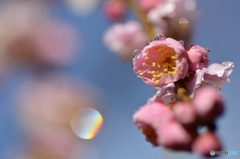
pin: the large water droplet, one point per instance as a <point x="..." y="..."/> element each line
<point x="216" y="68"/>
<point x="136" y="52"/>
<point x="86" y="123"/>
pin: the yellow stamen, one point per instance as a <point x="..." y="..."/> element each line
<point x="157" y="81"/>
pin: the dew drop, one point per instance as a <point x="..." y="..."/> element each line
<point x="86" y="123"/>
<point x="136" y="52"/>
<point x="225" y="64"/>
<point x="181" y="42"/>
<point x="159" y="37"/>
<point x="156" y="38"/>
<point x="216" y="68"/>
<point x="208" y="50"/>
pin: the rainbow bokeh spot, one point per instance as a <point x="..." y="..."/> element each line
<point x="86" y="123"/>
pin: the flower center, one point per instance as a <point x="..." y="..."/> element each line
<point x="162" y="61"/>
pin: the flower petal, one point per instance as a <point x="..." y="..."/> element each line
<point x="164" y="94"/>
<point x="219" y="74"/>
<point x="161" y="62"/>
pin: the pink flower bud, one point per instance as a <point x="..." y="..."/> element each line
<point x="150" y="118"/>
<point x="184" y="113"/>
<point x="198" y="57"/>
<point x="161" y="62"/>
<point x="115" y="9"/>
<point x="175" y="136"/>
<point x="205" y="143"/>
<point x="208" y="103"/>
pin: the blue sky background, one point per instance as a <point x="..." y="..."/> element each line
<point x="123" y="93"/>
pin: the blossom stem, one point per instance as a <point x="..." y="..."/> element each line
<point x="181" y="92"/>
<point x="143" y="18"/>
<point x="212" y="127"/>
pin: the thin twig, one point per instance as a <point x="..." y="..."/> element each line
<point x="143" y="18"/>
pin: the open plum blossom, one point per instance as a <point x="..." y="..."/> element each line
<point x="123" y="39"/>
<point x="187" y="95"/>
<point x="161" y="62"/>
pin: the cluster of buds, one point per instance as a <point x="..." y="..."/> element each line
<point x="187" y="97"/>
<point x="172" y="17"/>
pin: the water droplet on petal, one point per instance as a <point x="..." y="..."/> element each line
<point x="216" y="69"/>
<point x="156" y="38"/>
<point x="181" y="42"/>
<point x="224" y="64"/>
<point x="136" y="52"/>
<point x="159" y="37"/>
<point x="208" y="50"/>
<point x="86" y="123"/>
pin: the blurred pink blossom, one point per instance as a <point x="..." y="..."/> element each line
<point x="158" y="123"/>
<point x="55" y="42"/>
<point x="46" y="106"/>
<point x="205" y="143"/>
<point x="18" y="21"/>
<point x="150" y="118"/>
<point x="82" y="7"/>
<point x="175" y="136"/>
<point x="123" y="39"/>
<point x="173" y="18"/>
<point x="30" y="35"/>
<point x="161" y="62"/>
<point x="147" y="5"/>
<point x="184" y="113"/>
<point x="115" y="9"/>
<point x="208" y="103"/>
<point x="173" y="10"/>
